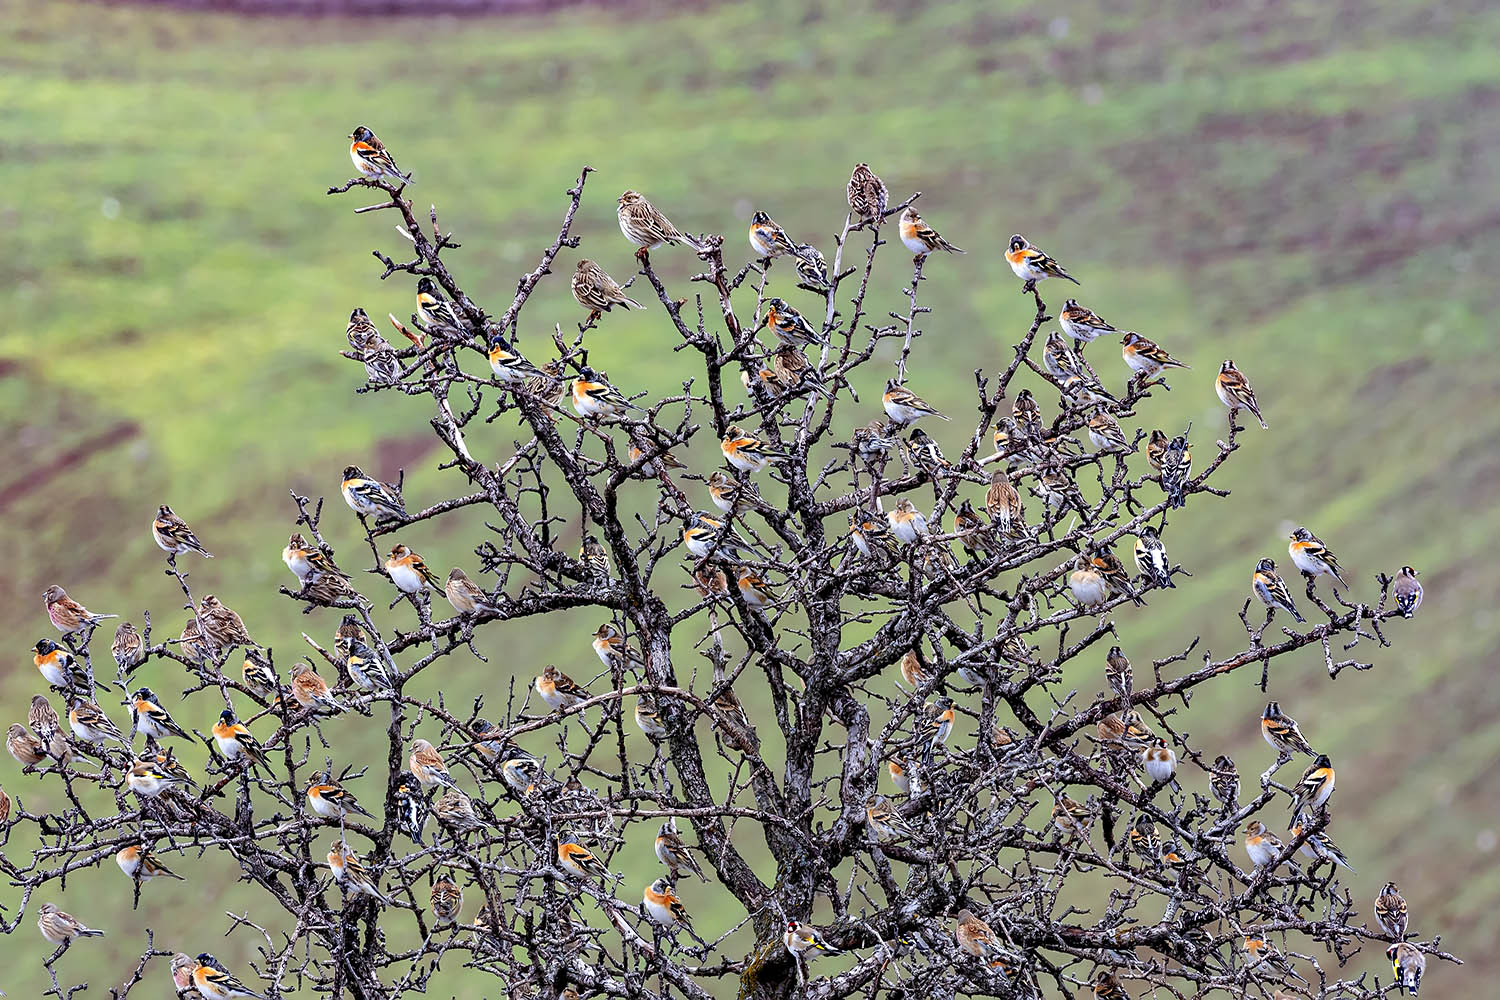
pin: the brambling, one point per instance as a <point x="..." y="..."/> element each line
<point x="936" y="724"/>
<point x="1031" y="264"/>
<point x="1143" y="839"/>
<point x="1272" y="589"/>
<point x="596" y="291"/>
<point x="1224" y="781"/>
<point x="1081" y="323"/>
<point x="1390" y="911"/>
<point x="376" y="353"/>
<point x="235" y="740"/>
<point x="1107" y="986"/>
<point x="1235" y="392"/>
<point x="578" y="860"/>
<point x="1283" y="733"/>
<point x="594" y="556"/>
<point x="446" y="899"/>
<point x="1151" y="558"/>
<point x="1407" y="965"/>
<point x="433" y="307"/>
<point x="1145" y="357"/>
<point x="647" y="228"/>
<point x="1087" y="584"/>
<point x="904" y="406"/>
<point x="973" y="534"/>
<point x="61" y="928"/>
<point x="1313" y="558"/>
<point x="673" y="851"/>
<point x="1314" y="788"/>
<point x="137" y="862"/>
<point x="1057" y="357"/>
<point x="725" y="490"/>
<point x="333" y="801"/>
<point x="58" y="667"/>
<point x="367" y="668"/>
<point x="27" y="750"/>
<point x="127" y="648"/>
<point x="920" y="238"/>
<point x="885" y="822"/>
<point x="648" y="718"/>
<point x="901" y="774"/>
<point x="728" y="704"/>
<point x="1176" y="470"/>
<point x="90" y="724"/>
<point x="1320" y="847"/>
<point x="789" y="325"/>
<point x="312" y="691"/>
<point x="411" y="808"/>
<point x="1027" y="415"/>
<point x="183" y="965"/>
<point x="594" y="398"/>
<point x="768" y="239"/>
<point x="803" y="939"/>
<point x="611" y="648"/>
<point x="1109" y="566"/>
<point x="1106" y="434"/>
<point x="1259" y="951"/>
<point x="754" y="590"/>
<point x="150" y="719"/>
<point x="455" y="811"/>
<point x="408" y="572"/>
<point x="1118" y="673"/>
<point x="662" y="905"/>
<point x="258" y="674"/>
<point x="926" y="455"/>
<point x="427" y="766"/>
<point x="559" y="690"/>
<point x="148" y="780"/>
<point x="1070" y="817"/>
<point x="371" y="498"/>
<point x="173" y="535"/>
<point x="975" y="936"/>
<point x="873" y="442"/>
<point x="705" y="536"/>
<point x="1156" y="450"/>
<point x="521" y="772"/>
<point x="907" y="524"/>
<point x="308" y="561"/>
<point x="655" y="459"/>
<point x="1408" y="592"/>
<point x="710" y="581"/>
<point x="745" y="451"/>
<point x="812" y="268"/>
<point x="66" y="614"/>
<point x="351" y="874"/>
<point x="1160" y="762"/>
<point x="220" y="624"/>
<point x="913" y="670"/>
<point x="509" y="367"/>
<point x="373" y="160"/>
<point x="1002" y="501"/>
<point x="466" y="596"/>
<point x="868" y="532"/>
<point x="867" y="195"/>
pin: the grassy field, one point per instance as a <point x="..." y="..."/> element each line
<point x="1309" y="188"/>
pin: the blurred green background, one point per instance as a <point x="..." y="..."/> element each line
<point x="1309" y="188"/>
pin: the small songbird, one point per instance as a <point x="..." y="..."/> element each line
<point x="1086" y="582"/>
<point x="173" y="535"/>
<point x="351" y="874"/>
<point x="137" y="862"/>
<point x="885" y="822"/>
<point x="192" y="643"/>
<point x="61" y="928"/>
<point x="1144" y="840"/>
<point x="803" y="939"/>
<point x="594" y="556"/>
<point x="726" y="491"/>
<point x="311" y="690"/>
<point x="220" y="624"/>
<point x="447" y="899"/>
<point x="1145" y="357"/>
<point x="434" y="308"/>
<point x="559" y="690"/>
<point x="1407" y="965"/>
<point x="673" y="851"/>
<point x="706" y="536"/>
<point x="926" y="455"/>
<point x="1320" y="847"/>
<point x="873" y="442"/>
<point x="768" y="239"/>
<point x="594" y="398"/>
<point x="868" y="195"/>
<point x="812" y="268"/>
<point x="382" y="367"/>
<point x="1082" y="324"/>
<point x="1106" y="434"/>
<point x="1408" y="592"/>
<point x="920" y="238"/>
<point x="127" y="649"/>
<point x="648" y="718"/>
<point x="653" y="459"/>
<point x="373" y="160"/>
<point x="754" y="590"/>
<point x="1002" y="501"/>
<point x="1156" y="450"/>
<point x="67" y="614"/>
<point x="1390" y="911"/>
<point x="427" y="766"/>
<point x="596" y="291"/>
<point x="663" y="906"/>
<point x="579" y="860"/>
<point x="1283" y="733"/>
<point x="1031" y="264"/>
<point x="1151" y="558"/>
<point x="90" y="724"/>
<point x="975" y="936"/>
<point x="455" y="811"/>
<point x="1235" y="392"/>
<point x="1109" y="566"/>
<point x="611" y="648"/>
<point x="1259" y="951"/>
<point x="1027" y="414"/>
<point x="371" y="498"/>
<point x="747" y="452"/>
<point x="183" y="965"/>
<point x="1224" y="781"/>
<point x="509" y="367"/>
<point x="901" y="774"/>
<point x="308" y="561"/>
<point x="1314" y="788"/>
<point x="367" y="668"/>
<point x="1313" y="558"/>
<point x="972" y="532"/>
<point x="258" y="674"/>
<point x="790" y="326"/>
<point x="1160" y="762"/>
<point x="520" y="771"/>
<point x="1272" y="589"/>
<point x="868" y="532"/>
<point x="333" y="801"/>
<point x="1107" y="985"/>
<point x="1176" y="470"/>
<point x="466" y="596"/>
<point x="235" y="740"/>
<point x="411" y="808"/>
<point x="24" y="747"/>
<point x="904" y="406"/>
<point x="647" y="228"/>
<point x="1070" y="817"/>
<point x="150" y="719"/>
<point x="148" y="778"/>
<point x="60" y="668"/>
<point x="408" y="572"/>
<point x="907" y="524"/>
<point x="936" y="723"/>
<point x="1117" y="672"/>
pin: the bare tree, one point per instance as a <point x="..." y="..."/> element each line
<point x="1067" y="847"/>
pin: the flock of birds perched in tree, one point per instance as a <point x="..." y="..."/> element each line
<point x="981" y="525"/>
